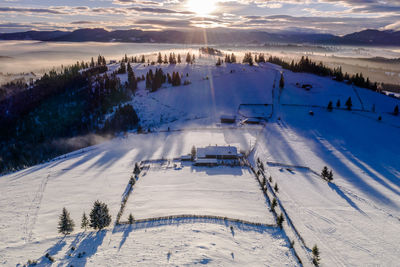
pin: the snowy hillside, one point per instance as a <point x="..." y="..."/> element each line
<point x="355" y="220"/>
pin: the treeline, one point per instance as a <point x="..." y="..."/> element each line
<point x="307" y="65"/>
<point x="36" y="122"/>
<point x="210" y="51"/>
<point x="154" y="80"/>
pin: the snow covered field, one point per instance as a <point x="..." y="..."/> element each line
<point x="354" y="221"/>
<point x="222" y="191"/>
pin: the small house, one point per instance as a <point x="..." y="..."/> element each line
<point x="217" y="152"/>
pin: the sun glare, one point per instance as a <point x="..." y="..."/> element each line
<point x="201" y="7"/>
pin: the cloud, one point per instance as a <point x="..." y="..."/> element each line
<point x="159" y="10"/>
<point x="29" y="10"/>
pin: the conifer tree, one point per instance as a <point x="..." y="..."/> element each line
<point x="165" y="59"/>
<point x="274" y="203"/>
<point x="330" y="106"/>
<point x="218" y="62"/>
<point x="122" y="68"/>
<point x="92" y="63"/>
<point x="136" y="170"/>
<point x="338" y="103"/>
<point x="330" y="176"/>
<point x="280" y="220"/>
<point x="316" y="255"/>
<point x="84" y="222"/>
<point x="282" y="82"/>
<point x="143" y="60"/>
<point x="188" y="58"/>
<point x="65" y="224"/>
<point x="349" y="103"/>
<point x="325" y="172"/>
<point x="99" y="216"/>
<point x="159" y="58"/>
<point x="276" y="188"/>
<point x="179" y="59"/>
<point x="131" y="219"/>
<point x="233" y="58"/>
<point x="396" y="110"/>
<point x="193" y="152"/>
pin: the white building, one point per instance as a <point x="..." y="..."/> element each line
<point x="217" y="152"/>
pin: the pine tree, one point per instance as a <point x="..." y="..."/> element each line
<point x="233" y="58"/>
<point x="338" y="104"/>
<point x="165" y="59"/>
<point x="349" y="103"/>
<point x="274" y="203"/>
<point x="282" y="82"/>
<point x="65" y="224"/>
<point x="330" y="106"/>
<point x="396" y="110"/>
<point x="193" y="152"/>
<point x="159" y="58"/>
<point x="122" y="68"/>
<point x="136" y="170"/>
<point x="85" y="221"/>
<point x="325" y="173"/>
<point x="131" y="219"/>
<point x="179" y="59"/>
<point x="280" y="220"/>
<point x="99" y="216"/>
<point x="276" y="188"/>
<point x="218" y="62"/>
<point x="330" y="176"/>
<point x="188" y="58"/>
<point x="316" y="257"/>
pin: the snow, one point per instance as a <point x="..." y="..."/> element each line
<point x="354" y="221"/>
<point x="221" y="191"/>
<point x="203" y="152"/>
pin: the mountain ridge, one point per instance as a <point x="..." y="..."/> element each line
<point x="213" y="36"/>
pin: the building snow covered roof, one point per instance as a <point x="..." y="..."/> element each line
<point x="217" y="152"/>
<point x="205" y="161"/>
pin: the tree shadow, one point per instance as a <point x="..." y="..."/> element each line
<point x="87" y="247"/>
<point x="335" y="188"/>
<point x="127" y="231"/>
<point x="57" y="247"/>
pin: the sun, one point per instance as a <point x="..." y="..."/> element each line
<point x="201" y="7"/>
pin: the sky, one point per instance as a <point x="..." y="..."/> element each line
<point x="322" y="16"/>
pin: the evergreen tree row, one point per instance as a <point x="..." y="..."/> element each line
<point x="99" y="219"/>
<point x="248" y="58"/>
<point x="155" y="81"/>
<point x="307" y="65"/>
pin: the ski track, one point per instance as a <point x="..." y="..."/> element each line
<point x="31" y="216"/>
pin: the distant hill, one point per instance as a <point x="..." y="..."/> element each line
<point x="366" y="37"/>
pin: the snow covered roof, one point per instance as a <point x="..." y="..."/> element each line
<point x="206" y="161"/>
<point x="216" y="151"/>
